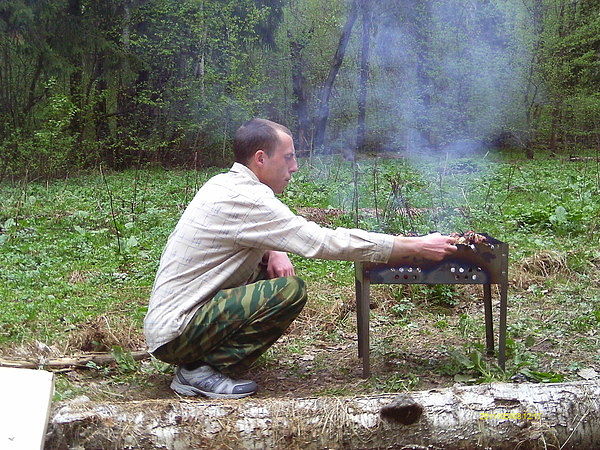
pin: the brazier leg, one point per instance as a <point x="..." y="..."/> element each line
<point x="363" y="311"/>
<point x="502" y="329"/>
<point x="359" y="311"/>
<point x="489" y="322"/>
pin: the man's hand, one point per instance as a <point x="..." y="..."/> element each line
<point x="436" y="246"/>
<point x="432" y="246"/>
<point x="279" y="265"/>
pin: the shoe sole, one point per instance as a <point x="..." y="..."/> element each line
<point x="186" y="389"/>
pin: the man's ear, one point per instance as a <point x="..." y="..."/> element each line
<point x="259" y="157"/>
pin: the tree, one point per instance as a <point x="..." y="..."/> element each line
<point x="322" y="114"/>
<point x="571" y="70"/>
<point x="365" y="11"/>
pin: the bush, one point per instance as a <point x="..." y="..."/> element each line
<point x="47" y="149"/>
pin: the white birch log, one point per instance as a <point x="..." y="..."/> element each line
<point x="499" y="415"/>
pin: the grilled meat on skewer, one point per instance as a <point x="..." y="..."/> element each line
<point x="469" y="238"/>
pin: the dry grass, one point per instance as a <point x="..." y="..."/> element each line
<point x="100" y="334"/>
<point x="326" y="308"/>
<point x="104" y="332"/>
<point x="541" y="265"/>
<point x="79" y="276"/>
<point x="35" y="350"/>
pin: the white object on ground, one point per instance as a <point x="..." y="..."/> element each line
<point x="25" y="408"/>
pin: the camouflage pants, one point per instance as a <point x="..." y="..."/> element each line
<point x="237" y="325"/>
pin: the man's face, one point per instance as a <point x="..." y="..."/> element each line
<point x="276" y="170"/>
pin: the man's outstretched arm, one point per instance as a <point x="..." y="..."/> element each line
<point x="433" y="246"/>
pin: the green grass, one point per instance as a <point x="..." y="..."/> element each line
<point x="67" y="255"/>
<point x="74" y="249"/>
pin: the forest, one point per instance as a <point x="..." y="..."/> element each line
<point x="119" y="83"/>
<point x="407" y="116"/>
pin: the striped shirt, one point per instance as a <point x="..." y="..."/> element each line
<point x="221" y="238"/>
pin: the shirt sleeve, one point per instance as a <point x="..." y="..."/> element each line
<point x="270" y="225"/>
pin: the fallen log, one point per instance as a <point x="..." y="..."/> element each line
<point x="100" y="359"/>
<point x="499" y="415"/>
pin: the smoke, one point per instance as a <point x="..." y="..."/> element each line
<point x="446" y="83"/>
<point x="448" y="74"/>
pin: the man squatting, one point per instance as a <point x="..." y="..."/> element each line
<point x="225" y="290"/>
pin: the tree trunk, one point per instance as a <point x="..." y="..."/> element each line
<point x="338" y="58"/>
<point x="73" y="28"/>
<point x="554" y="127"/>
<point x="32" y="97"/>
<point x="300" y="99"/>
<point x="500" y="415"/>
<point x="531" y="101"/>
<point x="100" y="109"/>
<point x="363" y="76"/>
<point x="125" y="94"/>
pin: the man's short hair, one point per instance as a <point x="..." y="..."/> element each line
<point x="254" y="135"/>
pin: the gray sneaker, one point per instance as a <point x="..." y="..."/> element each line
<point x="209" y="382"/>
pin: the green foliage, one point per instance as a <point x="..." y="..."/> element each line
<point x="65" y="390"/>
<point x="443" y="295"/>
<point x="125" y="362"/>
<point x="305" y="191"/>
<point x="395" y="383"/>
<point x="542" y="377"/>
<point x="48" y="148"/>
<point x="402" y="308"/>
<point x="84" y="82"/>
<point x="568" y="205"/>
<point x="470" y="365"/>
<point x="569" y="116"/>
<point x="60" y="257"/>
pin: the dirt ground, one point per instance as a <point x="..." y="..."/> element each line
<point x="318" y="355"/>
<point x="323" y="368"/>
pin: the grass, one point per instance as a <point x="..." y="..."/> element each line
<point x="78" y="258"/>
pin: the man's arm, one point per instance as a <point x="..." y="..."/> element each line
<point x="278" y="264"/>
<point x="432" y="246"/>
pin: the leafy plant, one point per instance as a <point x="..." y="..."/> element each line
<point x="402" y="308"/>
<point x="472" y="365"/>
<point x="395" y="383"/>
<point x="542" y="377"/>
<point x="125" y="362"/>
<point x="443" y="295"/>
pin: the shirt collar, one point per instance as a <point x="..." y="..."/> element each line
<point x="244" y="170"/>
